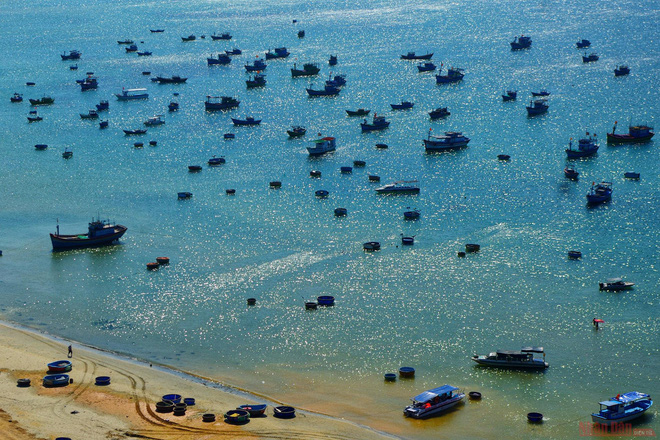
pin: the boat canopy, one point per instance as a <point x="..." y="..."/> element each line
<point x="631" y="397"/>
<point x="532" y="349"/>
<point x="430" y="394"/>
<point x="135" y="90"/>
<point x="614" y="280"/>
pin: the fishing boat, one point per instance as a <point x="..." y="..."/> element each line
<point x="537" y="107"/>
<point x="247" y="121"/>
<point x="378" y="123"/>
<point x="220" y="103"/>
<point x="132" y="94"/>
<point x="403" y="105"/>
<point x="615" y="285"/>
<point x="308" y="69"/>
<point x="586" y="147"/>
<point x="452" y="140"/>
<point x="103" y="105"/>
<point x="103" y="124"/>
<point x="154" y="121"/>
<point x="89" y="83"/>
<point x="216" y="161"/>
<point x="296" y="131"/>
<point x="72" y="55"/>
<point x="583" y="44"/>
<point x="134" y="132"/>
<point x="40" y="147"/>
<point x="411" y="215"/>
<point x="256" y="66"/>
<point x="91" y="114"/>
<point x="144" y="53"/>
<point x="59" y="366"/>
<point x="222" y="58"/>
<point x="33" y="116"/>
<point x="434" y="401"/>
<point x="223" y="36"/>
<point x="426" y="67"/>
<point x="636" y="133"/>
<point x="322" y="146"/>
<point x="524" y="358"/>
<point x="400" y="187"/>
<point x="132" y="48"/>
<point x="46" y="100"/>
<point x="73" y="67"/>
<point x="521" y="42"/>
<point x="453" y="75"/>
<point x="16" y="98"/>
<point x="413" y="56"/>
<point x="325" y="91"/>
<point x="621" y="70"/>
<point x="258" y="80"/>
<point x="189" y="38"/>
<point x="440" y="112"/>
<point x="510" y="95"/>
<point x="336" y="81"/>
<point x="599" y="193"/>
<point x="541" y="93"/>
<point x="127" y="41"/>
<point x="301" y="34"/>
<point x="233" y="51"/>
<point x="99" y="233"/>
<point x="622" y="408"/>
<point x="278" y="52"/>
<point x="333" y="60"/>
<point x="590" y="58"/>
<point x="156" y="31"/>
<point x="68" y="154"/>
<point x="176" y="79"/>
<point x="631" y="175"/>
<point x="358" y="112"/>
<point x="571" y="173"/>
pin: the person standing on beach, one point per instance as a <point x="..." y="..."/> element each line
<point x="70" y="355"/>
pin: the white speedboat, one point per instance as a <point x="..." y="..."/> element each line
<point x="434" y="401"/>
<point x="514" y="359"/>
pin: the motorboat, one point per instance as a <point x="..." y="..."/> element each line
<point x="434" y="401"/>
<point x="144" y="53"/>
<point x="622" y="408"/>
<point x="440" y="112"/>
<point x="621" y="70"/>
<point x="308" y="69"/>
<point x="378" y="123"/>
<point x="631" y="175"/>
<point x="586" y="147"/>
<point x="278" y="52"/>
<point x="521" y="42"/>
<point x="510" y="95"/>
<point x="583" y="44"/>
<point x="411" y="215"/>
<point x="154" y="121"/>
<point x="220" y="103"/>
<point x="99" y="233"/>
<point x="132" y="94"/>
<point x="325" y="91"/>
<point x="600" y="193"/>
<point x="126" y="41"/>
<point x="523" y="358"/>
<point x="247" y="121"/>
<point x="615" y="285"/>
<point x="296" y="131"/>
<point x="426" y="67"/>
<point x="453" y="75"/>
<point x="590" y="58"/>
<point x="216" y="161"/>
<point x="68" y="154"/>
<point x="403" y="105"/>
<point x="400" y="187"/>
<point x="258" y="80"/>
<point x="222" y="58"/>
<point x="636" y="133"/>
<point x="537" y="107"/>
<point x="358" y="112"/>
<point x="414" y="56"/>
<point x="452" y="140"/>
<point x="321" y="146"/>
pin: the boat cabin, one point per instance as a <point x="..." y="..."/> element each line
<point x="434" y="396"/>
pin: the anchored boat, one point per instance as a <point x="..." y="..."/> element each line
<point x="434" y="401"/>
<point x="514" y="359"/>
<point x="99" y="233"/>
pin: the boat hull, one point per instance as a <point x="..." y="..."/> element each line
<point x="439" y="146"/>
<point x="627" y="139"/>
<point x="371" y="127"/>
<point x="534" y="365"/>
<point x="66" y="242"/>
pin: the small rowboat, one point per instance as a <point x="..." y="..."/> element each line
<point x="59" y="366"/>
<point x="284" y="412"/>
<point x="237" y="416"/>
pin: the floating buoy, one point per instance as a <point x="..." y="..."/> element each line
<point x="251" y="301"/>
<point x="310" y="305"/>
<point x="359" y="163"/>
<point x="471" y="247"/>
<point x="340" y="212"/>
<point x="152" y="266"/>
<point x="406" y="372"/>
<point x="390" y="377"/>
<point x="326" y="300"/>
<point x="230" y="191"/>
<point x="275" y="184"/>
<point x="208" y="418"/>
<point x="162" y="260"/>
<point x="315" y="173"/>
<point x="102" y="380"/>
<point x="284" y="412"/>
<point x="535" y="417"/>
<point x="474" y="395"/>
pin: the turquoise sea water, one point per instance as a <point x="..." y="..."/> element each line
<point x="417" y="306"/>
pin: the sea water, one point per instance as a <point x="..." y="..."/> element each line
<point x="418" y="306"/>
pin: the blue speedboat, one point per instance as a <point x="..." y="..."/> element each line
<point x="378" y="123"/>
<point x="600" y="193"/>
<point x="434" y="401"/>
<point x="622" y="408"/>
<point x="586" y="147"/>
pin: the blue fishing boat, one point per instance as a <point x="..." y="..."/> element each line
<point x="434" y="401"/>
<point x="541" y="93"/>
<point x="583" y="44"/>
<point x="308" y="69"/>
<point x="586" y="147"/>
<point x="510" y="95"/>
<point x="590" y="58"/>
<point x="325" y="91"/>
<point x="452" y="140"/>
<point x="599" y="193"/>
<point x="278" y="52"/>
<point x="622" y="408"/>
<point x="99" y="233"/>
<point x="103" y="105"/>
<point x="321" y="146"/>
<point x="521" y="42"/>
<point x="378" y="123"/>
<point x="222" y="58"/>
<point x="358" y="112"/>
<point x="413" y="56"/>
<point x="258" y="80"/>
<point x="91" y="114"/>
<point x="214" y="103"/>
<point x="426" y="67"/>
<point x="247" y="121"/>
<point x="636" y="133"/>
<point x="234" y="51"/>
<point x="404" y="105"/>
<point x="16" y="98"/>
<point x="257" y="66"/>
<point x="296" y="131"/>
<point x="453" y="75"/>
<point x="336" y="81"/>
<point x="440" y="112"/>
<point x="144" y="53"/>
<point x="72" y="55"/>
<point x="223" y="36"/>
<point x="132" y="48"/>
<point x="621" y="70"/>
<point x="571" y="173"/>
<point x="89" y="83"/>
<point x="189" y="38"/>
<point x="537" y="107"/>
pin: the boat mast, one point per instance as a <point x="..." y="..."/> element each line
<point x="58" y="226"/>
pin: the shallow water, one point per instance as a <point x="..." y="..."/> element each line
<point x="419" y="306"/>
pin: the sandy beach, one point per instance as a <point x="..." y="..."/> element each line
<point x="126" y="408"/>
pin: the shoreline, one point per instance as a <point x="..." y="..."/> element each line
<point x="125" y="408"/>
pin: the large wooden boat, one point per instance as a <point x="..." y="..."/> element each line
<point x="99" y="233"/>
